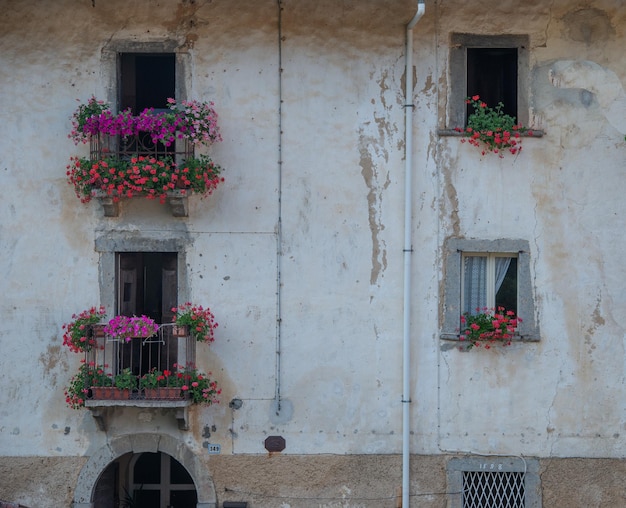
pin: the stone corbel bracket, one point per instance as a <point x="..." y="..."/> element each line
<point x="178" y="201"/>
<point x="103" y="410"/>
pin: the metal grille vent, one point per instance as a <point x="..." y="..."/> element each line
<point x="483" y="489"/>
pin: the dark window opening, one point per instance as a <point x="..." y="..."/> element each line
<point x="492" y="74"/>
<point x="147" y="80"/>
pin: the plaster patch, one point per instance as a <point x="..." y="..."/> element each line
<point x="588" y="25"/>
<point x="374" y="196"/>
<point x="600" y="81"/>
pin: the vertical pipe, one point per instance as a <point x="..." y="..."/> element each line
<point x="408" y="249"/>
<point x="279" y="235"/>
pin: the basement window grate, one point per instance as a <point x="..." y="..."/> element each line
<point x="493" y="489"/>
<point x="489" y="481"/>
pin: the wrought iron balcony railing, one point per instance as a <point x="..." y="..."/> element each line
<point x="102" y="146"/>
<point x="128" y="364"/>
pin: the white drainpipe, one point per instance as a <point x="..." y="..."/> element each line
<point x="408" y="206"/>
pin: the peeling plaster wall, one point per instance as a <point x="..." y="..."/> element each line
<point x="563" y="193"/>
<point x="336" y="155"/>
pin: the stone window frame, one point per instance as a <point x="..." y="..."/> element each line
<point x="459" y="42"/>
<point x="489" y="463"/>
<point x="453" y="254"/>
<point x="110" y="62"/>
<point x="109" y="244"/>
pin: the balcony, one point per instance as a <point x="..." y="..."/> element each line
<point x="141" y="372"/>
<point x="106" y="147"/>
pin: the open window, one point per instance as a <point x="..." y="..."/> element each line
<point x="147" y="80"/>
<point x="143" y="76"/>
<point x="147" y="284"/>
<point x="495" y="67"/>
<point x="487" y="273"/>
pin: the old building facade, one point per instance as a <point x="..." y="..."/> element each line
<point x="337" y="255"/>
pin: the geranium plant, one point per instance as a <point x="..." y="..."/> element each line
<point x="89" y="374"/>
<point x="491" y="130"/>
<point x="201" y="321"/>
<point x="143" y="173"/>
<point x="125" y="380"/>
<point x="145" y="176"/>
<point x="196" y="385"/>
<point x="488" y="326"/>
<point x="155" y="378"/>
<point x="78" y="334"/>
<point x="125" y="327"/>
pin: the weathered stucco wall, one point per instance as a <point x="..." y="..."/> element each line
<point x="326" y="481"/>
<point x="312" y="114"/>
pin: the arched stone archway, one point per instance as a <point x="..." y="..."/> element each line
<point x="139" y="443"/>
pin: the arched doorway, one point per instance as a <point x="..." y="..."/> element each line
<point x="156" y="470"/>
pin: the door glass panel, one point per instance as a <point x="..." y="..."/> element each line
<point x="148" y="468"/>
<point x="178" y="474"/>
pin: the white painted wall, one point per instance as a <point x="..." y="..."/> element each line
<point x="342" y="176"/>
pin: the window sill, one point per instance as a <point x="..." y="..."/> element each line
<point x="536" y="133"/>
<point x="457" y="338"/>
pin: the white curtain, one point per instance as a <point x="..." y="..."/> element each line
<point x="475" y="281"/>
<point x="475" y="284"/>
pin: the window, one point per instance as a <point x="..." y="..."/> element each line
<point x="147" y="80"/>
<point x="487" y="273"/>
<point x="144" y="275"/>
<point x="506" y="482"/>
<point x="147" y="285"/>
<point x="489" y="280"/>
<point x="492" y="66"/>
<point x="144" y="75"/>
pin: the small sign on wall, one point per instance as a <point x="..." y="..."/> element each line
<point x="214" y="449"/>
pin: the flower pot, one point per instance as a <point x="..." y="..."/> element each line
<point x="109" y="393"/>
<point x="163" y="393"/>
<point x="180" y="330"/>
<point x="97" y="330"/>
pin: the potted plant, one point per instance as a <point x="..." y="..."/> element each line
<point x="199" y="322"/>
<point x="126" y="328"/>
<point x="197" y="386"/>
<point x="155" y="385"/>
<point x="488" y="326"/>
<point x="80" y="386"/>
<point x="125" y="381"/>
<point x="148" y="176"/>
<point x="78" y="334"/>
<point x="491" y="130"/>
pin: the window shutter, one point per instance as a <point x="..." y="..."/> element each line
<point x="127" y="298"/>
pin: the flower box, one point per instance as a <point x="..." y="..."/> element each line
<point x="109" y="393"/>
<point x="163" y="393"/>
